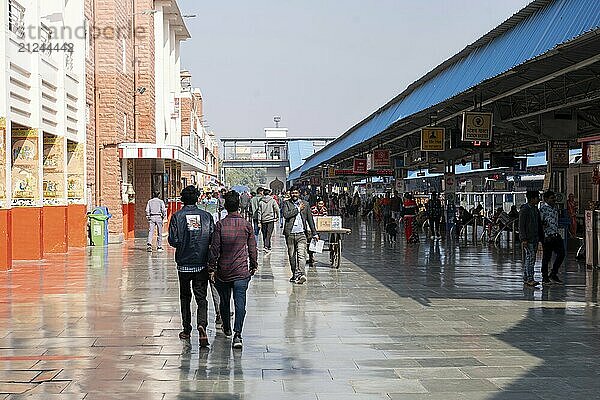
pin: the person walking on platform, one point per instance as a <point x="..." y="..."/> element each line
<point x="299" y="226"/>
<point x="156" y="212"/>
<point x="233" y="260"/>
<point x="190" y="233"/>
<point x="254" y="202"/>
<point x="268" y="214"/>
<point x="410" y="219"/>
<point x="531" y="233"/>
<point x="244" y="204"/>
<point x="396" y="206"/>
<point x="434" y="214"/>
<point x="553" y="242"/>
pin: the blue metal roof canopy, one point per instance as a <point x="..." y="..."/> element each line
<point x="535" y="30"/>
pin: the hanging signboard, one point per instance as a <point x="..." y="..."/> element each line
<point x="331" y="171"/>
<point x="558" y="154"/>
<point x="477" y="127"/>
<point x="360" y="166"/>
<point x="433" y="139"/>
<point x="381" y="159"/>
<point x="369" y="162"/>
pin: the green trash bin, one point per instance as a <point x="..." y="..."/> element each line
<point x="98" y="226"/>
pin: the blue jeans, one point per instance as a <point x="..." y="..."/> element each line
<point x="239" y="288"/>
<point x="529" y="261"/>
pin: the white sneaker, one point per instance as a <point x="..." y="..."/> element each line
<point x="432" y="237"/>
<point x="160" y="249"/>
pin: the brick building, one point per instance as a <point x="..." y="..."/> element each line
<point x="135" y="138"/>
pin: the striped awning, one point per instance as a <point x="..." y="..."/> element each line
<point x="189" y="161"/>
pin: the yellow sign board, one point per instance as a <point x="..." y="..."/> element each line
<point x="432" y="139"/>
<point x="477" y="127"/>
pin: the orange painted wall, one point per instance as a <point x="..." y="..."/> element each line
<point x="5" y="241"/>
<point x="77" y="225"/>
<point x="131" y="222"/>
<point x="55" y="238"/>
<point x="26" y="233"/>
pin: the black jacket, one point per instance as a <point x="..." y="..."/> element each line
<point x="289" y="212"/>
<point x="530" y="224"/>
<point x="190" y="232"/>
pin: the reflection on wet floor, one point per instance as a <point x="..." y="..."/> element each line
<point x="438" y="320"/>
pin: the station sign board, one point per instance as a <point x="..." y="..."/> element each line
<point x="433" y="139"/>
<point x="477" y="127"/>
<point x="360" y="166"/>
<point x="558" y="154"/>
<point x="381" y="159"/>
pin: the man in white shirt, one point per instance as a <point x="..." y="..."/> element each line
<point x="299" y="226"/>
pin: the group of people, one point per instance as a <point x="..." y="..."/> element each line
<point x="223" y="253"/>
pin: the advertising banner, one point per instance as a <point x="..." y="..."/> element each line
<point x="75" y="163"/>
<point x="53" y="163"/>
<point x="477" y="127"/>
<point x="433" y="139"/>
<point x="360" y="166"/>
<point x="381" y="159"/>
<point x="25" y="161"/>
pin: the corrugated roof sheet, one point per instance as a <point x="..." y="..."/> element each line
<point x="539" y="27"/>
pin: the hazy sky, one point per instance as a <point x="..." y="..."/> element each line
<point x="322" y="65"/>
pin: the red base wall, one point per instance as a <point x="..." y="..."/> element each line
<point x="27" y="233"/>
<point x="77" y="225"/>
<point x="5" y="241"/>
<point x="55" y="237"/>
